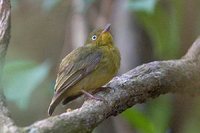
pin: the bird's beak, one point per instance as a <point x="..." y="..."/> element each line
<point x="106" y="28"/>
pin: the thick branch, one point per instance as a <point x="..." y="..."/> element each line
<point x="6" y="123"/>
<point x="136" y="86"/>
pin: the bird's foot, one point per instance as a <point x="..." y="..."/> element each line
<point x="101" y="89"/>
<point x="93" y="97"/>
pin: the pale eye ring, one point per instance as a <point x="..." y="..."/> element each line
<point x="94" y="37"/>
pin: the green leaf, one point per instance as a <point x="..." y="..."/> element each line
<point x="138" y="120"/>
<point x="21" y="78"/>
<point x="142" y="5"/>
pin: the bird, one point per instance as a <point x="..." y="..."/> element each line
<point x="86" y="68"/>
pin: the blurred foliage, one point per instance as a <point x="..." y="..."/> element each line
<point x="162" y="22"/>
<point x="139" y="120"/>
<point x="14" y="3"/>
<point x="21" y="78"/>
<point x="48" y="5"/>
<point x="87" y="4"/>
<point x="155" y="119"/>
<point x="142" y="5"/>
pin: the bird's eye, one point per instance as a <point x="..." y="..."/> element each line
<point x="94" y="37"/>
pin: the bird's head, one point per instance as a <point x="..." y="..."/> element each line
<point x="100" y="37"/>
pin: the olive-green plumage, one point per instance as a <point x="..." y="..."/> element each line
<point x="86" y="68"/>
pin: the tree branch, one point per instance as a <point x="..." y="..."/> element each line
<point x="6" y="123"/>
<point x="136" y="86"/>
<point x="4" y="30"/>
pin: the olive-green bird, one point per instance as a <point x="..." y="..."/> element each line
<point x="86" y="68"/>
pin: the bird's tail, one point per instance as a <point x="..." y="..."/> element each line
<point x="55" y="101"/>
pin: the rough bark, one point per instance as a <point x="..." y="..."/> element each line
<point x="136" y="86"/>
<point x="6" y="123"/>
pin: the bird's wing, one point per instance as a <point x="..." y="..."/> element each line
<point x="76" y="69"/>
<point x="73" y="68"/>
